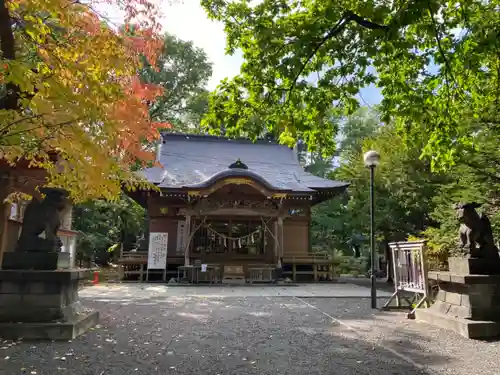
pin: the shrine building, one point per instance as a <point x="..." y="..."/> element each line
<point x="236" y="208"/>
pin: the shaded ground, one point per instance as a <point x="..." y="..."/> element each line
<point x="441" y="351"/>
<point x="158" y="330"/>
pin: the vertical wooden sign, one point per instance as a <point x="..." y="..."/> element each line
<point x="157" y="254"/>
<point x="181" y="232"/>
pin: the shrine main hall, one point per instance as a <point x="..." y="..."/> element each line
<point x="238" y="207"/>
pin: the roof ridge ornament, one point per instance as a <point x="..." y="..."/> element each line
<point x="238" y="164"/>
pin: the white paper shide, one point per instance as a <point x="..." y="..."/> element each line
<point x="157" y="254"/>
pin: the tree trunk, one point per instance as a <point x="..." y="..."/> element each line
<point x="7" y="48"/>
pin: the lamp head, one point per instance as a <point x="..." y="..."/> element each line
<point x="371" y="159"/>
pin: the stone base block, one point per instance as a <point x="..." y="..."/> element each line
<point x="474" y="297"/>
<point x="50" y="331"/>
<point x="474" y="266"/>
<point x="43" y="304"/>
<point x="35" y="261"/>
<point x="472" y="329"/>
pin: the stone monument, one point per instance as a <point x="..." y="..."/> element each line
<point x="468" y="300"/>
<point x="38" y="246"/>
<point x="38" y="291"/>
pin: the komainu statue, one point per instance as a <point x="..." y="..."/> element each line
<point x="42" y="220"/>
<point x="476" y="236"/>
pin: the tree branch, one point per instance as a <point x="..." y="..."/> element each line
<point x="365" y="23"/>
<point x="53" y="127"/>
<point x="339" y="26"/>
<point x="334" y="31"/>
<point x="4" y="129"/>
<point x="481" y="171"/>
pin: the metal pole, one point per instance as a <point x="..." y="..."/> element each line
<point x="372" y="239"/>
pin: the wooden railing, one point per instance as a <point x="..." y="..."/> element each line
<point x="133" y="257"/>
<point x="302" y="258"/>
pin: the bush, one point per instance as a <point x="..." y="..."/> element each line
<point x="351" y="266"/>
<point x="344" y="264"/>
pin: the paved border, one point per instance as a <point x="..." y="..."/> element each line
<point x="356" y="332"/>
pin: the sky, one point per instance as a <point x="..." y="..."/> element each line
<point x="187" y="20"/>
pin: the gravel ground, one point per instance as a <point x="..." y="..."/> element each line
<point x="146" y="331"/>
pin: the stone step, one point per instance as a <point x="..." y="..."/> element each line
<point x="473" y="329"/>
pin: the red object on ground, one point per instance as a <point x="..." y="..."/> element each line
<point x="96" y="278"/>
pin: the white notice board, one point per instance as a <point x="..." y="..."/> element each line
<point x="157" y="254"/>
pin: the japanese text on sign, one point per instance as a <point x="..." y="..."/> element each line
<point x="157" y="254"/>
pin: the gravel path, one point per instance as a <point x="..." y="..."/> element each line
<point x="150" y="331"/>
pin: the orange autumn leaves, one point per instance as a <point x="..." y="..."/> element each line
<point x="80" y="93"/>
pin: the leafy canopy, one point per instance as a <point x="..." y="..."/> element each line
<point x="69" y="84"/>
<point x="411" y="200"/>
<point x="435" y="61"/>
<point x="183" y="71"/>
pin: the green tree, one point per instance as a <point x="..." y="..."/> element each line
<point x="405" y="190"/>
<point x="357" y="127"/>
<point x="475" y="178"/>
<point x="183" y="70"/>
<point x="332" y="222"/>
<point x="105" y="226"/>
<point x="435" y="61"/>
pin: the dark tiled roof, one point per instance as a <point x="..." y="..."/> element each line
<point x="198" y="160"/>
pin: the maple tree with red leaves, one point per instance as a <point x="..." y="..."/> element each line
<point x="69" y="83"/>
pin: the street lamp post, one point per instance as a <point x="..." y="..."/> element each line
<point x="371" y="160"/>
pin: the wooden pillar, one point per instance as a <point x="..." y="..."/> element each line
<point x="275" y="234"/>
<point x="187" y="239"/>
<point x="4" y="216"/>
<point x="309" y="231"/>
<point x="141" y="273"/>
<point x="280" y="239"/>
<point x="4" y="222"/>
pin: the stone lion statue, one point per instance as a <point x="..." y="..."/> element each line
<point x="42" y="220"/>
<point x="476" y="235"/>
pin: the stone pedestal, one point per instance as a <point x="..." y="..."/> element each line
<point x="43" y="305"/>
<point x="467" y="303"/>
<point x="23" y="260"/>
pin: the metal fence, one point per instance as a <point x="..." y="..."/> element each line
<point x="410" y="274"/>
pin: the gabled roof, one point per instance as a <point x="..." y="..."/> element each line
<point x="195" y="161"/>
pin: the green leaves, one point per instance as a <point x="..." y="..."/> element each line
<point x="183" y="70"/>
<point x="105" y="225"/>
<point x="435" y="64"/>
